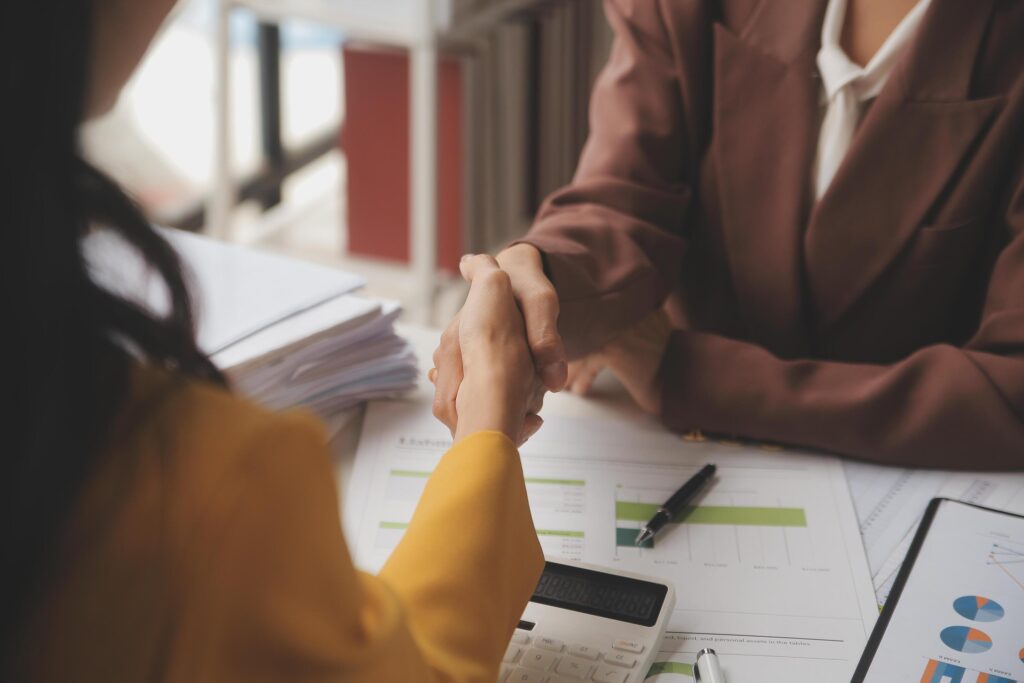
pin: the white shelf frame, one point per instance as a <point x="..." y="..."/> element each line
<point x="420" y="36"/>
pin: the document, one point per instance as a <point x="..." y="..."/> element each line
<point x="959" y="616"/>
<point x="768" y="564"/>
<point x="890" y="502"/>
<point x="238" y="291"/>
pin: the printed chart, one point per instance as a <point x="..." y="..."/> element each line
<point x="1009" y="558"/>
<point x="966" y="639"/>
<point x="960" y="616"/>
<point x="977" y="608"/>
<point x="550" y="498"/>
<point x="947" y="672"/>
<point x="890" y="502"/>
<point x="767" y="565"/>
<point x="726" y="527"/>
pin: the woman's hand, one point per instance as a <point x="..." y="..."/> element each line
<point x="634" y="358"/>
<point x="537" y="302"/>
<point x="500" y="389"/>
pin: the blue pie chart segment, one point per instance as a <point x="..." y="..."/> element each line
<point x="977" y="608"/>
<point x="966" y="639"/>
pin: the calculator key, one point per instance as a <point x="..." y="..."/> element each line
<point x="538" y="659"/>
<point x="584" y="651"/>
<point x="552" y="644"/>
<point x="629" y="645"/>
<point x="621" y="659"/>
<point x="522" y="675"/>
<point x="512" y="654"/>
<point x="521" y="638"/>
<point x="503" y="674"/>
<point x="573" y="668"/>
<point x="607" y="674"/>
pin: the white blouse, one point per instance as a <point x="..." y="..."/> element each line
<point x="849" y="87"/>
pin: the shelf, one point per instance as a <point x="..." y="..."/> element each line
<point x="393" y="22"/>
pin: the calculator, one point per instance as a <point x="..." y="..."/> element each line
<point x="588" y="623"/>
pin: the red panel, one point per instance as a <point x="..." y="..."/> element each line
<point x="375" y="139"/>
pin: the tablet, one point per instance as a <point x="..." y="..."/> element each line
<point x="956" y="611"/>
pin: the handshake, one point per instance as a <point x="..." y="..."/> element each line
<point x="503" y="351"/>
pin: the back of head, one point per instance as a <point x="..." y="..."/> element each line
<point x="66" y="339"/>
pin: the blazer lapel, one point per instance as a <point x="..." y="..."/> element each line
<point x="765" y="113"/>
<point x="907" y="148"/>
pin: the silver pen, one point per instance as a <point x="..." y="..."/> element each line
<point x="706" y="668"/>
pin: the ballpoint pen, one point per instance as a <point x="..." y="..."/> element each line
<point x="674" y="505"/>
<point x="706" y="668"/>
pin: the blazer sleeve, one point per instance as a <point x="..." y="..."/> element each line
<point x="611" y="240"/>
<point x="943" y="406"/>
<point x="281" y="601"/>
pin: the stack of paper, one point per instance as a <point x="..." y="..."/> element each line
<point x="327" y="358"/>
<point x="287" y="333"/>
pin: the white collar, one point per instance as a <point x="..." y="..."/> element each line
<point x="838" y="70"/>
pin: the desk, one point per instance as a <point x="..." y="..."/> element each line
<point x="888" y="500"/>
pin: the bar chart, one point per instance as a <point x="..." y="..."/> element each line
<point x="733" y="527"/>
<point x="558" y="500"/>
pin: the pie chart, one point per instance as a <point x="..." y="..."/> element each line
<point x="965" y="639"/>
<point x="977" y="608"/>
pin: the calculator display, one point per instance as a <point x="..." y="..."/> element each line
<point x="600" y="594"/>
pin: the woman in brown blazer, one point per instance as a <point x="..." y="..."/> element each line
<point x="881" y="318"/>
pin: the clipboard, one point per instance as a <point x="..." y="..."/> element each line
<point x="964" y="635"/>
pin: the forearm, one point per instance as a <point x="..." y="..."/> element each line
<point x="609" y="267"/>
<point x="614" y="238"/>
<point x="940" y="407"/>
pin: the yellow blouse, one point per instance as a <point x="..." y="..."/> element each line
<point x="207" y="546"/>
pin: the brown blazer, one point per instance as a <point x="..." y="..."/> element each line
<point x="886" y="321"/>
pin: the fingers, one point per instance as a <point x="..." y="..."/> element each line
<point x="538" y="301"/>
<point x="490" y="308"/>
<point x="531" y="425"/>
<point x="447" y="376"/>
<point x="583" y="372"/>
<point x="473" y="265"/>
<point x="537" y="400"/>
<point x="540" y="314"/>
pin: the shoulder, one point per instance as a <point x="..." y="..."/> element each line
<point x="204" y="443"/>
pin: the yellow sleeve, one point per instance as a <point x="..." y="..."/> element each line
<point x="278" y="599"/>
<point x="470" y="558"/>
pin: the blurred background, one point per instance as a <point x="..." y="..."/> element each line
<point x="382" y="137"/>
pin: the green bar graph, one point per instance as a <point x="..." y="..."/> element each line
<point x="540" y="532"/>
<point x="731" y="515"/>
<point x="558" y="532"/>
<point x="556" y="482"/>
<point x="670" y="668"/>
<point x="626" y="538"/>
<point x="529" y="480"/>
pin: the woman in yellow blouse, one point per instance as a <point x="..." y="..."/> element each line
<point x="156" y="526"/>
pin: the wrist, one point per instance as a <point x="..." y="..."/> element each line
<point x="485" y="403"/>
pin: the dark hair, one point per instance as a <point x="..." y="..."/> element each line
<point x="67" y="338"/>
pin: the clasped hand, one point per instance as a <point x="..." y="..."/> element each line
<point x="503" y="351"/>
